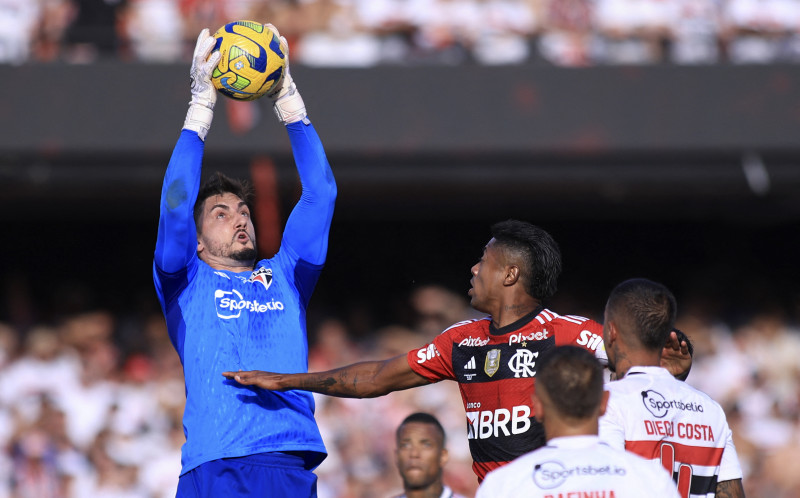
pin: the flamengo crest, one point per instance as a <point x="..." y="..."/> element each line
<point x="263" y="275"/>
<point x="523" y="363"/>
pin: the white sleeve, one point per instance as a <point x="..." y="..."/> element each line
<point x="612" y="425"/>
<point x="729" y="468"/>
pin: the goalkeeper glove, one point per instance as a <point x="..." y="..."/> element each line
<point x="204" y="95"/>
<point x="286" y="99"/>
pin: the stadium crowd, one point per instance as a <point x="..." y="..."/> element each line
<point x="363" y="33"/>
<point x="91" y="405"/>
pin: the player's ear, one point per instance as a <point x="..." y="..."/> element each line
<point x="609" y="333"/>
<point x="604" y="402"/>
<point x="512" y="275"/>
<point x="538" y="408"/>
<point x="444" y="457"/>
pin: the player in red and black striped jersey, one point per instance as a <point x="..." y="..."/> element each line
<point x="493" y="359"/>
<point x="495" y="368"/>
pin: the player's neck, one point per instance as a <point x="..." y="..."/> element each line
<point x="510" y="312"/>
<point x="637" y="359"/>
<point x="561" y="426"/>
<point x="228" y="264"/>
<point x="433" y="491"/>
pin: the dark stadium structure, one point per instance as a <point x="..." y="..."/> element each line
<point x="687" y="175"/>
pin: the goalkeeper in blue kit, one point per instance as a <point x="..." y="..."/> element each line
<point x="227" y="311"/>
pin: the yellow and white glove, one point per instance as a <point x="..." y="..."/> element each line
<point x="286" y="99"/>
<point x="204" y="95"/>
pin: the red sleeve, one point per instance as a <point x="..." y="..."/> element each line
<point x="581" y="332"/>
<point x="587" y="334"/>
<point x="434" y="361"/>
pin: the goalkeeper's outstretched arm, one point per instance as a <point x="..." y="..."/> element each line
<point x="176" y="243"/>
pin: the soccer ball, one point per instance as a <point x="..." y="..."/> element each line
<point x="251" y="62"/>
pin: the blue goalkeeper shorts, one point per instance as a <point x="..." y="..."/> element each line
<point x="264" y="475"/>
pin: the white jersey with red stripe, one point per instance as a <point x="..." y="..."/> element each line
<point x="673" y="424"/>
<point x="577" y="467"/>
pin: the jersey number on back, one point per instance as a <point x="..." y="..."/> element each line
<point x="684" y="471"/>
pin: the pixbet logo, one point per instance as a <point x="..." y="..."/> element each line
<point x="533" y="336"/>
<point x="473" y="341"/>
<point x="231" y="303"/>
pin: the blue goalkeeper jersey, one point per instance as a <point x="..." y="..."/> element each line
<point x="227" y="321"/>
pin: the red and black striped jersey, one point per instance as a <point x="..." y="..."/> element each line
<point x="496" y="372"/>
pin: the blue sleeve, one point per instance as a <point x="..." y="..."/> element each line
<point x="306" y="232"/>
<point x="176" y="245"/>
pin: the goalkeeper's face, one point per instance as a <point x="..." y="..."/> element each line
<point x="226" y="236"/>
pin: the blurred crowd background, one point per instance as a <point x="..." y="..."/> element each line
<point x="370" y="32"/>
<point x="91" y="396"/>
<point x="91" y="405"/>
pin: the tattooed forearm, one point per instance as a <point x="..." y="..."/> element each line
<point x="327" y="382"/>
<point x="348" y="382"/>
<point x="730" y="489"/>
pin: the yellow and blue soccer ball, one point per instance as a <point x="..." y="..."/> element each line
<point x="251" y="63"/>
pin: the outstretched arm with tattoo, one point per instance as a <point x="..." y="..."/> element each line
<point x="367" y="379"/>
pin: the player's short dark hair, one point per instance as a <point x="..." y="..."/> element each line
<point x="422" y="418"/>
<point x="572" y="379"/>
<point x="645" y="309"/>
<point x="218" y="184"/>
<point x="538" y="255"/>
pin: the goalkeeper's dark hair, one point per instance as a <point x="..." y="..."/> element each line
<point x="218" y="184"/>
<point x="644" y="309"/>
<point x="422" y="418"/>
<point x="571" y="378"/>
<point x="534" y="251"/>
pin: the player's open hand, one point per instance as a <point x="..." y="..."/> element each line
<point x="203" y="63"/>
<point x="284" y="84"/>
<point x="257" y="378"/>
<point x="287" y="102"/>
<point x="676" y="356"/>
